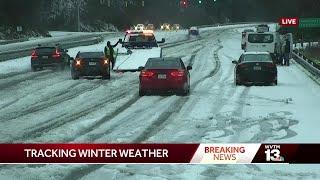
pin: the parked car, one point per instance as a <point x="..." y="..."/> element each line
<point x="255" y="68"/>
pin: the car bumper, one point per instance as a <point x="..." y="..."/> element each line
<point x="96" y="71"/>
<point x="258" y="78"/>
<point x="162" y="86"/>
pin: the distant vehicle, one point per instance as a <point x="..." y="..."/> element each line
<point x="139" y="27"/>
<point x="255" y="68"/>
<point x="90" y="64"/>
<point x="150" y="27"/>
<point x="176" y="27"/>
<point x="164" y="75"/>
<point x="49" y="56"/>
<point x="243" y="40"/>
<point x="262" y="42"/>
<point x="137" y="48"/>
<point x="165" y="27"/>
<point x="193" y="31"/>
<point x="263" y="28"/>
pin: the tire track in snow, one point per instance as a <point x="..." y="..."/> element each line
<point x="7" y="83"/>
<point x="54" y="123"/>
<point x="122" y="109"/>
<point x="65" y="95"/>
<point x="151" y="129"/>
<point x="160" y="123"/>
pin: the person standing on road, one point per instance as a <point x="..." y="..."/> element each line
<point x="287" y="51"/>
<point x="109" y="52"/>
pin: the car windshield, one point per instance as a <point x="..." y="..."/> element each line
<point x="260" y="38"/>
<point x="46" y="49"/>
<point x="163" y="64"/>
<point x="257" y="57"/>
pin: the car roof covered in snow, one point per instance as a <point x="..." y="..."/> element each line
<point x="193" y="28"/>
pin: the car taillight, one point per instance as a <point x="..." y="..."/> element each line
<point x="34" y="54"/>
<point x="270" y="65"/>
<point x="147" y="73"/>
<point x="105" y="61"/>
<point x="78" y="62"/>
<point x="56" y="54"/>
<point x="243" y="65"/>
<point x="179" y="73"/>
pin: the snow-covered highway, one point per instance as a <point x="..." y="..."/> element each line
<point x="49" y="106"/>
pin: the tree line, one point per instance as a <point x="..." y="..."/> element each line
<point x="62" y="14"/>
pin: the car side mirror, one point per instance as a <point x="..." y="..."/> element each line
<point x="66" y="50"/>
<point x="189" y="68"/>
<point x="140" y="68"/>
<point x="162" y="41"/>
<point x="235" y="62"/>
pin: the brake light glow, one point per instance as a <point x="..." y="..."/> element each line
<point x="243" y="65"/>
<point x="179" y="73"/>
<point x="34" y="54"/>
<point x="56" y="54"/>
<point x="270" y="65"/>
<point x="148" y="32"/>
<point x="78" y="62"/>
<point x="105" y="61"/>
<point x="147" y="73"/>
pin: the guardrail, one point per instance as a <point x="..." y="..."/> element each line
<point x="13" y="41"/>
<point x="27" y="51"/>
<point x="309" y="66"/>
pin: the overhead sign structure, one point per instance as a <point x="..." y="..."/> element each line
<point x="309" y="22"/>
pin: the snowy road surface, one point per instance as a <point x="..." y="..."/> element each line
<point x="48" y="106"/>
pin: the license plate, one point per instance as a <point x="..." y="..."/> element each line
<point x="45" y="57"/>
<point x="257" y="68"/>
<point x="92" y="63"/>
<point x="162" y="76"/>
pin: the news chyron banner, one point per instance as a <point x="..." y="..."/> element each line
<point x="159" y="153"/>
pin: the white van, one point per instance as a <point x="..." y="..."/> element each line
<point x="260" y="42"/>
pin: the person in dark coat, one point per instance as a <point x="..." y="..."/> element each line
<point x="109" y="52"/>
<point x="287" y="51"/>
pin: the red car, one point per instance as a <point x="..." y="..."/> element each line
<point x="165" y="75"/>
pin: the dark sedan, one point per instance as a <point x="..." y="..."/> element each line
<point x="255" y="68"/>
<point x="165" y="75"/>
<point x="49" y="56"/>
<point x="90" y="64"/>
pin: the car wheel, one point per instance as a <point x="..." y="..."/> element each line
<point x="142" y="93"/>
<point x="75" y="75"/>
<point x="107" y="76"/>
<point x="237" y="82"/>
<point x="33" y="68"/>
<point x="62" y="66"/>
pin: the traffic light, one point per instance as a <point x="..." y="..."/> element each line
<point x="183" y="3"/>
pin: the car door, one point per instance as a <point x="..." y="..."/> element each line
<point x="187" y="72"/>
<point x="240" y="60"/>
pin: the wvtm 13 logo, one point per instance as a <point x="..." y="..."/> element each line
<point x="273" y="153"/>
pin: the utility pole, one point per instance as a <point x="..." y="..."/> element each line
<point x="78" y="14"/>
